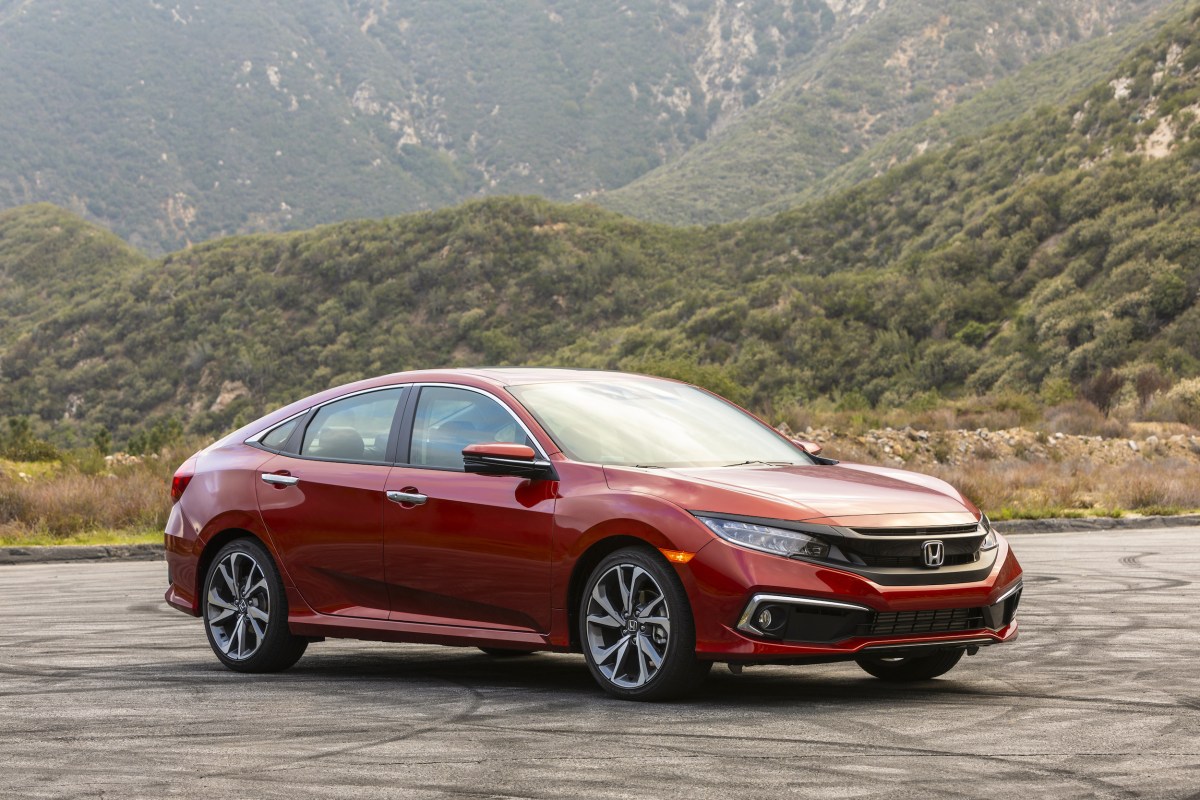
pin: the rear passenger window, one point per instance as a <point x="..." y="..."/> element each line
<point x="276" y="439"/>
<point x="354" y="429"/>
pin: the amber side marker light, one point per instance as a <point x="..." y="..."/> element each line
<point x="678" y="556"/>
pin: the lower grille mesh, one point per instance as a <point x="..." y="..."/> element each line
<point x="942" y="620"/>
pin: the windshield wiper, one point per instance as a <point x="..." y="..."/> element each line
<point x="765" y="463"/>
<point x="648" y="466"/>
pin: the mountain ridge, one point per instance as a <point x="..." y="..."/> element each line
<point x="866" y="89"/>
<point x="173" y="124"/>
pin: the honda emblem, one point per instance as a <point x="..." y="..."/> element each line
<point x="934" y="553"/>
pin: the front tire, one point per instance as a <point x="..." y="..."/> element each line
<point x="911" y="668"/>
<point x="636" y="629"/>
<point x="245" y="611"/>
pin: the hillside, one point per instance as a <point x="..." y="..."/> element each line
<point x="172" y="124"/>
<point x="48" y="256"/>
<point x="1052" y="80"/>
<point x="1030" y="259"/>
<point x="918" y="74"/>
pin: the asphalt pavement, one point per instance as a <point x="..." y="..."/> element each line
<point x="106" y="692"/>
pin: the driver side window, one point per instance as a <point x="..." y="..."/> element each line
<point x="447" y="420"/>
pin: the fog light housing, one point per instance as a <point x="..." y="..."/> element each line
<point x="771" y="620"/>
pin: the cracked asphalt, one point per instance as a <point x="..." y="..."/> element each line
<point x="106" y="692"/>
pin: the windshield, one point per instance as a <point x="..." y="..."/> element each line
<point x="652" y="424"/>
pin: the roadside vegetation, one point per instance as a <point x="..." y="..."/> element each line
<point x="1014" y="458"/>
<point x="84" y="496"/>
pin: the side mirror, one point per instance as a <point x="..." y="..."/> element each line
<point x="502" y="458"/>
<point x="812" y="448"/>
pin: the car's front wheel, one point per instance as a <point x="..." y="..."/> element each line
<point x="911" y="668"/>
<point x="636" y="628"/>
<point x="245" y="611"/>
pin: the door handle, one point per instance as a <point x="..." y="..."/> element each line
<point x="413" y="498"/>
<point x="279" y="480"/>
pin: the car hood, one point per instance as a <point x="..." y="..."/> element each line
<point x="842" y="494"/>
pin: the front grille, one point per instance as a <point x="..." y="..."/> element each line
<point x="883" y="552"/>
<point x="915" y="561"/>
<point x="942" y="620"/>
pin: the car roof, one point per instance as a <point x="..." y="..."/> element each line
<point x="516" y="376"/>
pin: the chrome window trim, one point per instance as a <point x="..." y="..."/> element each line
<point x="257" y="438"/>
<point x="254" y="441"/>
<point x="541" y="451"/>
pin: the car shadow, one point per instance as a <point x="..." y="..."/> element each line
<point x="567" y="675"/>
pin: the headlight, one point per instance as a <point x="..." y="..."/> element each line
<point x="989" y="534"/>
<point x="778" y="541"/>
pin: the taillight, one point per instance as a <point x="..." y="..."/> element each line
<point x="180" y="483"/>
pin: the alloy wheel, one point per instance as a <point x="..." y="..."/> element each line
<point x="238" y="606"/>
<point x="628" y="626"/>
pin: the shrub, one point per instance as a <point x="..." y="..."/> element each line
<point x="1185" y="399"/>
<point x="1101" y="389"/>
<point x="1081" y="418"/>
<point x="1148" y="382"/>
<point x="21" y="445"/>
<point x="1057" y="390"/>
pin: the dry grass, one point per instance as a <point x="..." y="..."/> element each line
<point x="1076" y="487"/>
<point x="1016" y="483"/>
<point x="85" y="497"/>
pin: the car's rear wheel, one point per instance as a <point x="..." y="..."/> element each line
<point x="636" y="628"/>
<point x="911" y="668"/>
<point x="245" y="611"/>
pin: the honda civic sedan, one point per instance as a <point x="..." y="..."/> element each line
<point x="648" y="524"/>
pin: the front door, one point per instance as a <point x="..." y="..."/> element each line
<point x="323" y="506"/>
<point x="459" y="548"/>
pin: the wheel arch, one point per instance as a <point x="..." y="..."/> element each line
<point x="213" y="546"/>
<point x="582" y="569"/>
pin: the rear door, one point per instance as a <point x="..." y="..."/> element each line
<point x="322" y="499"/>
<point x="466" y="549"/>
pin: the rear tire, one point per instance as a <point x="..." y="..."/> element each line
<point x="244" y="608"/>
<point x="911" y="668"/>
<point x="636" y="628"/>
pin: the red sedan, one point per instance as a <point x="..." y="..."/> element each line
<point x="647" y="523"/>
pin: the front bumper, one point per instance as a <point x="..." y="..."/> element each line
<point x="823" y="613"/>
